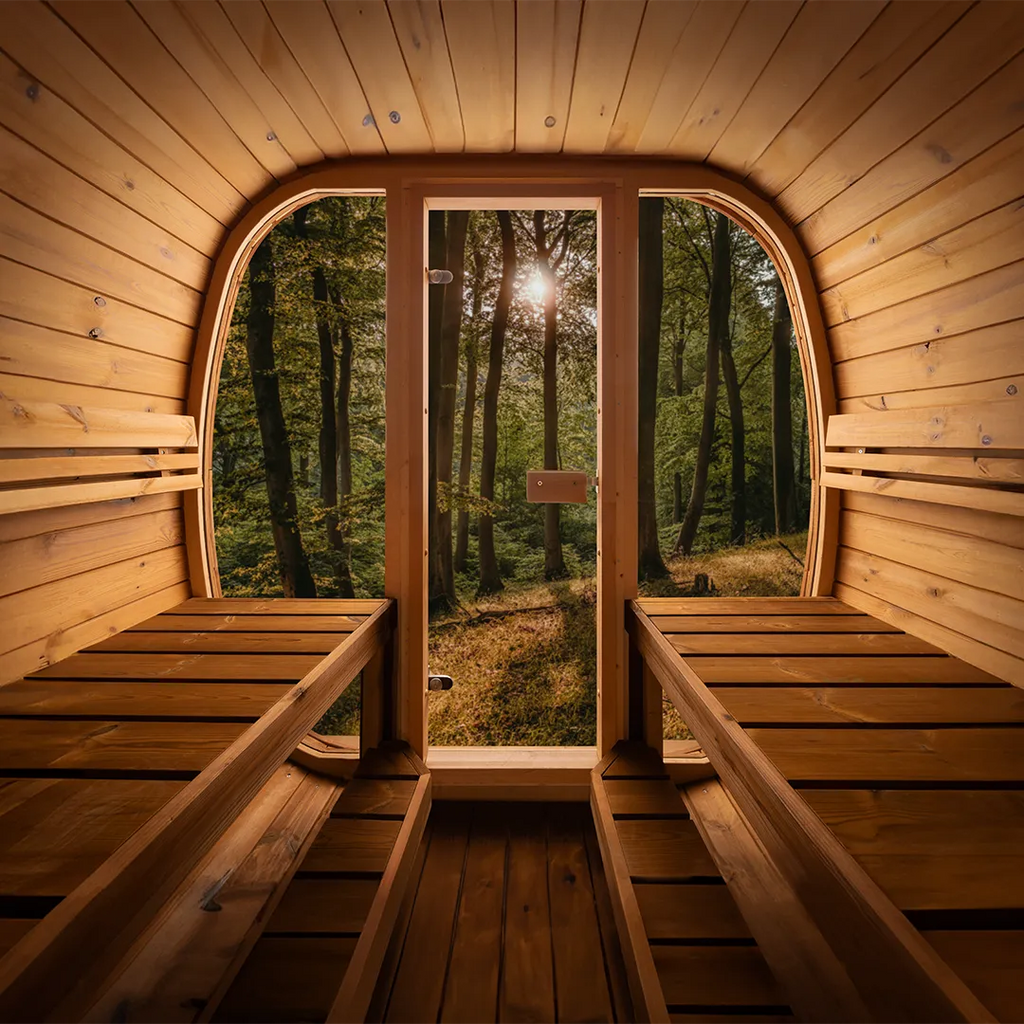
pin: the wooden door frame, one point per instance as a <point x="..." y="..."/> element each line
<point x="492" y="182"/>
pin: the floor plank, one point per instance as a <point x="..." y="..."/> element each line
<point x="581" y="991"/>
<point x="471" y="993"/>
<point x="351" y="844"/>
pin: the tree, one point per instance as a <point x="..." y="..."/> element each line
<point x="783" y="476"/>
<point x="469" y="410"/>
<point x="343" y="425"/>
<point x="333" y="418"/>
<point x="451" y="327"/>
<point x="547" y="266"/>
<point x="678" y="351"/>
<point x="296" y="579"/>
<point x="738" y="490"/>
<point x="490" y="578"/>
<point x="720" y="297"/>
<point x="651" y="298"/>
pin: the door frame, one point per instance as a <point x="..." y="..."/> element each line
<point x="550" y="180"/>
<point x="616" y="416"/>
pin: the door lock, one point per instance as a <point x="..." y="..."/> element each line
<point x="439" y="682"/>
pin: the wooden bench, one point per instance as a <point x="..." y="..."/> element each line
<point x="55" y="455"/>
<point x="815" y="714"/>
<point x="179" y="721"/>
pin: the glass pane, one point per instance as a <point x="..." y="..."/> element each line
<point x="513" y="368"/>
<point x="723" y="460"/>
<point x="298" y="450"/>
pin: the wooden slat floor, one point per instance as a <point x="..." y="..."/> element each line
<point x="912" y="757"/>
<point x="509" y="920"/>
<point x="94" y="745"/>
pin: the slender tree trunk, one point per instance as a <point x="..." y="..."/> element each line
<point x="651" y="297"/>
<point x="800" y="462"/>
<point x="436" y="251"/>
<point x="554" y="562"/>
<point x="677" y="372"/>
<point x="451" y="326"/>
<point x="328" y="436"/>
<point x="783" y="475"/>
<point x="490" y="578"/>
<point x="738" y="504"/>
<point x="296" y="579"/>
<point x="718" y="326"/>
<point x="469" y="415"/>
<point x="343" y="427"/>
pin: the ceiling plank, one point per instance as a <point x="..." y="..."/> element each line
<point x="419" y="29"/>
<point x="979" y="44"/>
<point x="694" y="55"/>
<point x="816" y="42"/>
<point x="309" y="33"/>
<point x="50" y="52"/>
<point x="216" y="33"/>
<point x="125" y="42"/>
<point x="482" y="43"/>
<point x="369" y="39"/>
<point x="608" y="35"/>
<point x="545" y="60"/>
<point x="754" y="38"/>
<point x="664" y="25"/>
<point x="893" y="42"/>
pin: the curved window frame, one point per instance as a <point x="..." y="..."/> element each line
<point x="410" y="185"/>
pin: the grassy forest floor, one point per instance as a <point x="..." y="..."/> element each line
<point x="524" y="662"/>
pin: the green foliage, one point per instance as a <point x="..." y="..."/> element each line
<point x="529" y="677"/>
<point x="345" y="239"/>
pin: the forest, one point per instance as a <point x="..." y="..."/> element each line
<point x="298" y="467"/>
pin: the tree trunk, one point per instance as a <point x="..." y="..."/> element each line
<point x="469" y="415"/>
<point x="677" y="373"/>
<point x="651" y="296"/>
<point x="451" y="326"/>
<point x="738" y="504"/>
<point x="343" y="427"/>
<point x="328" y="437"/>
<point x="719" y="301"/>
<point x="296" y="579"/>
<point x="490" y="578"/>
<point x="554" y="562"/>
<point x="783" y="475"/>
<point x="435" y="306"/>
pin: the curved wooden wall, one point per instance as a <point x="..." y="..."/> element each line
<point x="132" y="137"/>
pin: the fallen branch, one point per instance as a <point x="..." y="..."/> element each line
<point x="799" y="561"/>
<point x="497" y="613"/>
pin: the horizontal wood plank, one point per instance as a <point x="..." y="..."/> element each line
<point x="226" y="667"/>
<point x="113" y="746"/>
<point x="227" y="642"/>
<point x="173" y="623"/>
<point x="149" y="699"/>
<point x="754" y="645"/>
<point x="901" y="755"/>
<point x="872" y="705"/>
<point x="771" y="624"/>
<point x="715" y="669"/>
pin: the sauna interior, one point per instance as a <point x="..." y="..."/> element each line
<point x="843" y="837"/>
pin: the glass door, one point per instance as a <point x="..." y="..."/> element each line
<point x="512" y="457"/>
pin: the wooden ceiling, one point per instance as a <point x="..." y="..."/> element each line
<point x="782" y="93"/>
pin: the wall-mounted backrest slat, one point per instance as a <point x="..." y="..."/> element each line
<point x="48" y="425"/>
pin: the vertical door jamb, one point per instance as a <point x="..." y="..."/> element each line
<point x="405" y="490"/>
